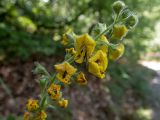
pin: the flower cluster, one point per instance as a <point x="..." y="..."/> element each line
<point x="92" y="51"/>
<point x="34" y="113"/>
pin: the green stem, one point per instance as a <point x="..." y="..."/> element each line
<point x="43" y="102"/>
<point x="103" y="33"/>
<point x="43" y="96"/>
<point x="106" y="30"/>
<point x="54" y="76"/>
<point x="70" y="60"/>
<point x="109" y="28"/>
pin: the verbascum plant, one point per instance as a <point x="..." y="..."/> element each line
<point x="93" y="51"/>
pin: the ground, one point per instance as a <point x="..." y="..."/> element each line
<point x="154" y="98"/>
<point x="92" y="102"/>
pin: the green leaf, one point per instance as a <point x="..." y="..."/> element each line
<point x="39" y="69"/>
<point x="99" y="28"/>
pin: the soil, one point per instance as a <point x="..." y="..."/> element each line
<point x="91" y="102"/>
<point x="19" y="83"/>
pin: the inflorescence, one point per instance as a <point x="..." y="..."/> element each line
<point x="91" y="52"/>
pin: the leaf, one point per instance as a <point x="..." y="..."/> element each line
<point x="99" y="28"/>
<point x="39" y="69"/>
<point x="52" y="107"/>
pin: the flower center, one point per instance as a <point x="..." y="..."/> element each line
<point x="82" y="80"/>
<point x="98" y="61"/>
<point x="55" y="91"/>
<point x="64" y="74"/>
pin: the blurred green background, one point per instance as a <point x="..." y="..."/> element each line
<point x="31" y="30"/>
<point x="29" y="27"/>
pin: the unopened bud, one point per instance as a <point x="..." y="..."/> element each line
<point x="119" y="31"/>
<point x="118" y="6"/>
<point x="131" y="21"/>
<point x="117" y="52"/>
<point x="42" y="82"/>
<point x="126" y="13"/>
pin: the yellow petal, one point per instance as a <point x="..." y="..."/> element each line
<point x="69" y="68"/>
<point x="65" y="67"/>
<point x="63" y="103"/>
<point x="81" y="79"/>
<point x="104" y="48"/>
<point x="54" y="91"/>
<point x="80" y="57"/>
<point x="65" y="39"/>
<point x="84" y="46"/>
<point x="98" y="64"/>
<point x="41" y="115"/>
<point x="71" y="51"/>
<point x="26" y="116"/>
<point x="117" y="52"/>
<point x="59" y="67"/>
<point x="65" y="79"/>
<point x="64" y="72"/>
<point x="119" y="31"/>
<point x="32" y="105"/>
<point x="100" y="58"/>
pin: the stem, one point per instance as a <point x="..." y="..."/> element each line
<point x="106" y="30"/>
<point x="70" y="60"/>
<point x="43" y="102"/>
<point x="116" y="20"/>
<point x="43" y="95"/>
<point x="54" y="76"/>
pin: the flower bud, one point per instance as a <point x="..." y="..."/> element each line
<point x="81" y="79"/>
<point x="131" y="21"/>
<point x="126" y="13"/>
<point x="63" y="103"/>
<point x="117" y="52"/>
<point x="68" y="37"/>
<point x="42" y="81"/>
<point x="119" y="31"/>
<point x="40" y="69"/>
<point x="118" y="6"/>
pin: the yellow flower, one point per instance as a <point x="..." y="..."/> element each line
<point x="63" y="103"/>
<point x="117" y="52"/>
<point x="32" y="105"/>
<point x="104" y="48"/>
<point x="98" y="64"/>
<point x="64" y="72"/>
<point x="26" y="116"/>
<point x="81" y="79"/>
<point x="84" y="46"/>
<point x="41" y="115"/>
<point x="65" y="39"/>
<point x="54" y="91"/>
<point x="119" y="31"/>
<point x="71" y="51"/>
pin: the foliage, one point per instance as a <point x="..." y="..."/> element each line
<point x="28" y="27"/>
